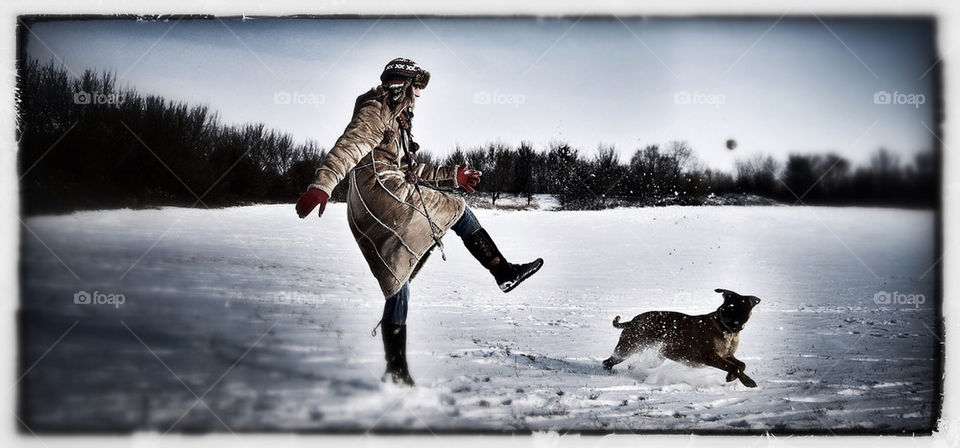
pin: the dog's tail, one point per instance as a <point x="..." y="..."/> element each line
<point x="617" y="324"/>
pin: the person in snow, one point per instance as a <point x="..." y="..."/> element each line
<point x="399" y="209"/>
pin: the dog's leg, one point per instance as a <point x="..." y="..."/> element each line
<point x="620" y="353"/>
<point x="732" y="370"/>
<point x="611" y="361"/>
<point x="741" y="366"/>
<point x="747" y="381"/>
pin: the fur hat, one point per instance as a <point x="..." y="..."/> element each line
<point x="400" y="72"/>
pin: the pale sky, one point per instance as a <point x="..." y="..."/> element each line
<point x="798" y="86"/>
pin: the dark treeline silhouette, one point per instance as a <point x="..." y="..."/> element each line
<point x="671" y="175"/>
<point x="87" y="143"/>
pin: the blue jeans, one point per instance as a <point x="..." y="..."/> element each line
<point x="395" y="308"/>
<point x="467" y="224"/>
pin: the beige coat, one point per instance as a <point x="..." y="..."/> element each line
<point x="383" y="210"/>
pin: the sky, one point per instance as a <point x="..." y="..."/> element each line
<point x="775" y="85"/>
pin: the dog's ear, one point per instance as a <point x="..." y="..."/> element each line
<point x="725" y="292"/>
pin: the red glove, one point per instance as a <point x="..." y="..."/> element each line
<point x="309" y="200"/>
<point x="468" y="178"/>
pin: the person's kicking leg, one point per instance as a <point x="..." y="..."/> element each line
<point x="481" y="246"/>
<point x="394" y="332"/>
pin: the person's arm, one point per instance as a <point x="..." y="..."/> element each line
<point x="358" y="139"/>
<point x="361" y="135"/>
<point x="446" y="176"/>
<point x="434" y="176"/>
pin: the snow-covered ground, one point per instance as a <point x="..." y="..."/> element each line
<point x="267" y="318"/>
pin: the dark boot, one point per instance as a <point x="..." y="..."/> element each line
<point x="395" y="352"/>
<point x="508" y="275"/>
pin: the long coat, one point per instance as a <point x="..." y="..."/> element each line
<point x="384" y="211"/>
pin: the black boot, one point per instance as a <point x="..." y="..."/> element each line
<point x="508" y="275"/>
<point x="395" y="352"/>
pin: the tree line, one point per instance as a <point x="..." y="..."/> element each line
<point x="671" y="175"/>
<point x="86" y="143"/>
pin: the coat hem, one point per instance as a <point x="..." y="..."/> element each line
<point x="406" y="278"/>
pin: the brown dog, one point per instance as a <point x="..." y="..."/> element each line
<point x="706" y="339"/>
